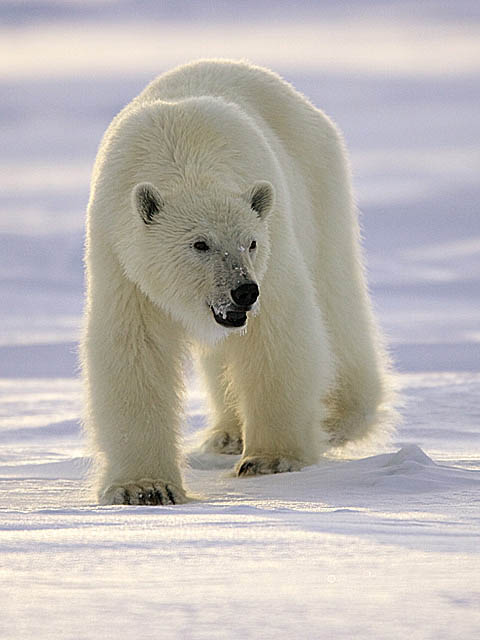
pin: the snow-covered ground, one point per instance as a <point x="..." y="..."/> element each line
<point x="385" y="545"/>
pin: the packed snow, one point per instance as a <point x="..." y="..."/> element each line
<point x="379" y="544"/>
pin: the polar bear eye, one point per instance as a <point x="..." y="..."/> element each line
<point x="201" y="246"/>
<point x="253" y="245"/>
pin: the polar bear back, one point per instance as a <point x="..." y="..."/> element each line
<point x="259" y="92"/>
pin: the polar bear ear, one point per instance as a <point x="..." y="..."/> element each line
<point x="261" y="198"/>
<point x="147" y="201"/>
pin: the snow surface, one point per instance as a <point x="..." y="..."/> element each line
<point x="385" y="545"/>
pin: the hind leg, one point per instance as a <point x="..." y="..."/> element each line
<point x="360" y="399"/>
<point x="224" y="433"/>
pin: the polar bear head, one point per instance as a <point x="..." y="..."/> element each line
<point x="203" y="253"/>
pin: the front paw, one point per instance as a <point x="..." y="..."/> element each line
<point x="143" y="492"/>
<point x="260" y="465"/>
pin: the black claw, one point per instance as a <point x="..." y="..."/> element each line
<point x="245" y="468"/>
<point x="159" y="496"/>
<point x="170" y="494"/>
<point x="152" y="496"/>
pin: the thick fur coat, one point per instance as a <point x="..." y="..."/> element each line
<point x="221" y="220"/>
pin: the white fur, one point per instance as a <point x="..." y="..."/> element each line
<point x="308" y="372"/>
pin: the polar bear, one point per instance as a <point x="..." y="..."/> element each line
<point x="221" y="220"/>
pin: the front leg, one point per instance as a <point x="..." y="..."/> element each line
<point x="132" y="370"/>
<point x="282" y="374"/>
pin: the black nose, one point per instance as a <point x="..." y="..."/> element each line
<point x="245" y="295"/>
